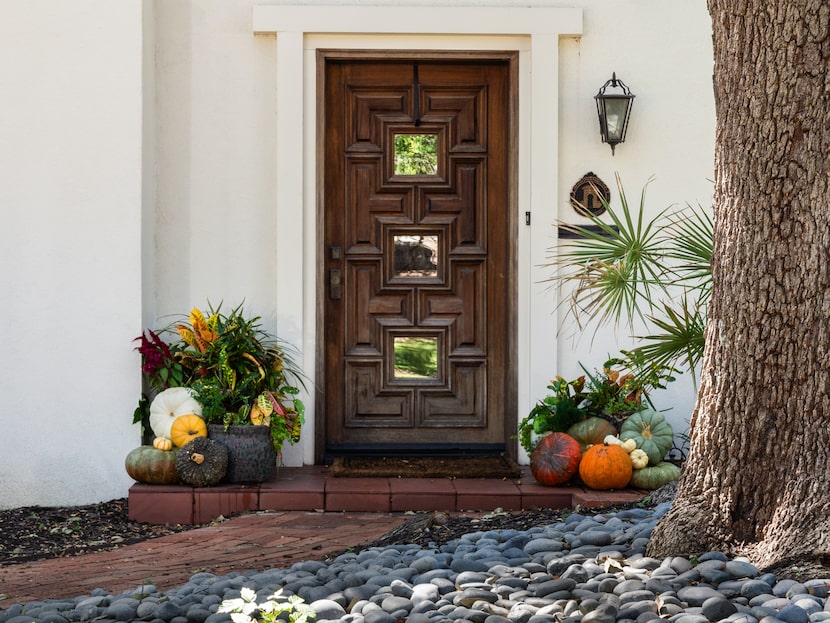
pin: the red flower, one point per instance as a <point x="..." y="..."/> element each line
<point x="154" y="352"/>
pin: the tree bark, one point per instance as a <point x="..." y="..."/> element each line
<point x="757" y="480"/>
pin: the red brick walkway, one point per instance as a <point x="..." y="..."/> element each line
<point x="358" y="510"/>
<point x="249" y="542"/>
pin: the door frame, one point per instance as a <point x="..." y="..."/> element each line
<point x="294" y="33"/>
<point x="511" y="60"/>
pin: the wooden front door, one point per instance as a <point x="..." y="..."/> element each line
<point x="418" y="255"/>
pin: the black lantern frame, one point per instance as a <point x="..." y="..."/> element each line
<point x="614" y="111"/>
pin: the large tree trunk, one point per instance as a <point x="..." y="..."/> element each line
<point x="758" y="476"/>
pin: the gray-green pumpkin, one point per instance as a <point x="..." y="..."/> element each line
<point x="152" y="466"/>
<point x="654" y="477"/>
<point x="652" y="433"/>
<point x="591" y="432"/>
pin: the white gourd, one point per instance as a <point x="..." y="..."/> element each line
<point x="639" y="459"/>
<point x="170" y="404"/>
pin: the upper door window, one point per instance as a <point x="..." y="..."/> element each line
<point x="416" y="154"/>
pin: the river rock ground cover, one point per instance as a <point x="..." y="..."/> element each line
<point x="585" y="567"/>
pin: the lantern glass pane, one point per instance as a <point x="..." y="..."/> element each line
<point x="615" y="109"/>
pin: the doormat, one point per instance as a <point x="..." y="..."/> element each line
<point x="425" y="467"/>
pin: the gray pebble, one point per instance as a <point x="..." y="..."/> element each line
<point x="717" y="608"/>
<point x="596" y="537"/>
<point x="327" y="609"/>
<point x="167" y="611"/>
<point x="780" y="589"/>
<point x="636" y="596"/>
<point x="690" y="618"/>
<point x="810" y="606"/>
<point x="755" y="588"/>
<point x="741" y="569"/>
<point x="121" y="610"/>
<point x="793" y="614"/>
<point x="819" y="588"/>
<point x="469" y="596"/>
<point x="378" y="616"/>
<point x="197" y="615"/>
<point x="604" y="613"/>
<point x="696" y="595"/>
<point x="543" y="545"/>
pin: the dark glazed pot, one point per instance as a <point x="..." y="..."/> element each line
<point x="251" y="455"/>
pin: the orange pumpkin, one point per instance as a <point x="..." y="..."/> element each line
<point x="605" y="467"/>
<point x="187" y="427"/>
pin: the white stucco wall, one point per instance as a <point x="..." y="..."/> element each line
<point x="663" y="52"/>
<point x="168" y="110"/>
<point x="70" y="256"/>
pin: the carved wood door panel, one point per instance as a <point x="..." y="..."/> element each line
<point x="418" y="241"/>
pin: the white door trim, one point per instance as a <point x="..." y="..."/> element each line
<point x="300" y="31"/>
<point x="415" y="20"/>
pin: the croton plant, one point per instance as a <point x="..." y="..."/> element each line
<point x="231" y="372"/>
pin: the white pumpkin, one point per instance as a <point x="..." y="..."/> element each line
<point x="170" y="404"/>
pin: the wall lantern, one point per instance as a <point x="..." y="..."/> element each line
<point x="613" y="110"/>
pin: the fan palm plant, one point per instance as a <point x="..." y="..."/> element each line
<point x="629" y="269"/>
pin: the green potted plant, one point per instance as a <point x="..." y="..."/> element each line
<point x="245" y="380"/>
<point x="613" y="394"/>
<point x="556" y="412"/>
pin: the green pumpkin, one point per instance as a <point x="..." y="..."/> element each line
<point x="591" y="431"/>
<point x="652" y="433"/>
<point x="654" y="477"/>
<point x="152" y="466"/>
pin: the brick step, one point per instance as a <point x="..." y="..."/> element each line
<point x="311" y="488"/>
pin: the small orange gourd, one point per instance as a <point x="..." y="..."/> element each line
<point x="605" y="467"/>
<point x="187" y="427"/>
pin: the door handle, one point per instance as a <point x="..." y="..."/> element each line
<point x="335" y="283"/>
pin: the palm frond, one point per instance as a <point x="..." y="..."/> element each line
<point x="689" y="243"/>
<point x="615" y="265"/>
<point x="679" y="338"/>
<point x="623" y="267"/>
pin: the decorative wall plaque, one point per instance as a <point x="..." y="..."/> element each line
<point x="588" y="194"/>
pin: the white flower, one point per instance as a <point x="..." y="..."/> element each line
<point x="243" y="605"/>
<point x="273" y="603"/>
